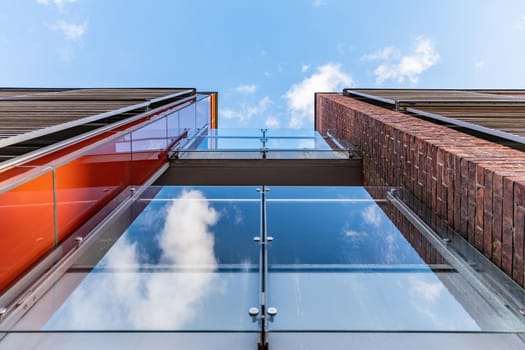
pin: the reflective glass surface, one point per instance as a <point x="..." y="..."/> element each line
<point x="341" y="259"/>
<point x="128" y="340"/>
<point x="249" y="139"/>
<point x="254" y="132"/>
<point x="338" y="262"/>
<point x="187" y="118"/>
<point x="217" y="143"/>
<point x="259" y="143"/>
<point x="186" y="262"/>
<point x="246" y="143"/>
<point x="203" y="109"/>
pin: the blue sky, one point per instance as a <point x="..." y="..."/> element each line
<point x="264" y="57"/>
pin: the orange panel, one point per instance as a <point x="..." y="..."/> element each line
<point x="214" y="108"/>
<point x="86" y="184"/>
<point x="83" y="186"/>
<point x="26" y="226"/>
<point x="146" y="163"/>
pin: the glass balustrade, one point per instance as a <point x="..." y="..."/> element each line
<point x="290" y="266"/>
<point x="107" y="261"/>
<point x="42" y="203"/>
<point x="259" y="143"/>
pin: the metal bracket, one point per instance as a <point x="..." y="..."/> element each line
<point x="3" y="311"/>
<point x="272" y="311"/>
<point x="79" y="240"/>
<point x="254" y="313"/>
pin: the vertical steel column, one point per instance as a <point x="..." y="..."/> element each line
<point x="262" y="239"/>
<point x="264" y="313"/>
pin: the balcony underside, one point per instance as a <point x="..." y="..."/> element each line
<point x="298" y="172"/>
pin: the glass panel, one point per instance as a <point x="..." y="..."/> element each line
<point x="85" y="184"/>
<point x="284" y="143"/>
<point x="228" y="154"/>
<point x="336" y="233"/>
<point x="343" y="265"/>
<point x="295" y="143"/>
<point x="306" y="154"/>
<point x="149" y="150"/>
<point x="285" y="132"/>
<point x="203" y="112"/>
<point x="26" y="221"/>
<point x="394" y="341"/>
<point x="174" y="130"/>
<point x="218" y="143"/>
<point x="176" y="261"/>
<point x="282" y="133"/>
<point x="315" y="193"/>
<point x="128" y="340"/>
<point x="187" y="119"/>
<point x="235" y="193"/>
<point x="235" y="132"/>
<point x="459" y="247"/>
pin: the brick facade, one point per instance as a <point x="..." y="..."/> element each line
<point x="477" y="186"/>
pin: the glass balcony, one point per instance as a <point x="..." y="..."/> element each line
<point x="259" y="143"/>
<point x="288" y="266"/>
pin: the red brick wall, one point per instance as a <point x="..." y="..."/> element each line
<point x="477" y="186"/>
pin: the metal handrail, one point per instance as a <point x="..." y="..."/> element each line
<point x="59" y="145"/>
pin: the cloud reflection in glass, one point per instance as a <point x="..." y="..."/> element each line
<point x="122" y="294"/>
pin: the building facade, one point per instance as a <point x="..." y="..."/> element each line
<point x="468" y="168"/>
<point x="130" y="220"/>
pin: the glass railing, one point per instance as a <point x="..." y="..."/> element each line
<point x="42" y="204"/>
<point x="291" y="266"/>
<point x="259" y="143"/>
<point x="27" y="221"/>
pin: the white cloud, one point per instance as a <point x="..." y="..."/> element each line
<point x="386" y="53"/>
<point x="238" y="215"/>
<point x="479" y="65"/>
<point x="300" y="96"/>
<point x="246" y="89"/>
<point x="355" y="234"/>
<point x="186" y="238"/>
<point x="58" y="3"/>
<point x="305" y="68"/>
<point x="399" y="67"/>
<point x="371" y="215"/>
<point x="120" y="300"/>
<point x="272" y="122"/>
<point x="247" y="111"/>
<point x="319" y="3"/>
<point x="72" y="31"/>
<point x="426" y="290"/>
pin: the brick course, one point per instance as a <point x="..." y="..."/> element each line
<point x="475" y="185"/>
